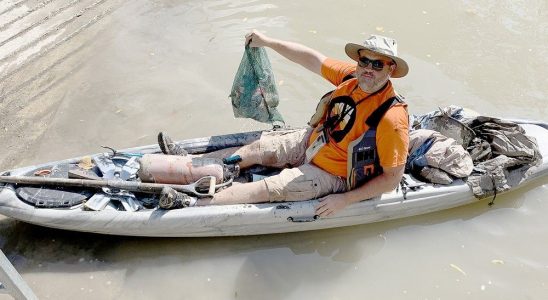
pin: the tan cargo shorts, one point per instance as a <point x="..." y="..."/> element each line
<point x="285" y="148"/>
<point x="300" y="181"/>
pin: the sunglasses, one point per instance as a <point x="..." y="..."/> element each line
<point x="376" y="64"/>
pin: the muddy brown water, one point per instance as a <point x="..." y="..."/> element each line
<point x="78" y="74"/>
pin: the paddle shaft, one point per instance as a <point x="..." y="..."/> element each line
<point x="131" y="186"/>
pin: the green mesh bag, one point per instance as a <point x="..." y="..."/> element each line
<point x="254" y="94"/>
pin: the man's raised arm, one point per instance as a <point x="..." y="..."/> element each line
<point x="304" y="56"/>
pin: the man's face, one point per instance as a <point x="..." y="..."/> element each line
<point x="373" y="71"/>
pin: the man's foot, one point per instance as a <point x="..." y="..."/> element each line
<point x="171" y="199"/>
<point x="168" y="146"/>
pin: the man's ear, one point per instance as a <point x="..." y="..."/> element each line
<point x="392" y="68"/>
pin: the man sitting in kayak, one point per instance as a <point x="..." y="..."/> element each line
<point x="341" y="157"/>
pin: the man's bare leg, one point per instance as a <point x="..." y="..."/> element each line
<point x="252" y="192"/>
<point x="250" y="154"/>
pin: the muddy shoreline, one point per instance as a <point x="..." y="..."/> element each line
<point x="43" y="45"/>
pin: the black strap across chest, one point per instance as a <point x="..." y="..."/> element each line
<point x="375" y="117"/>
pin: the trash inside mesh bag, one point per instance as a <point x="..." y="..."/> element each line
<point x="254" y="94"/>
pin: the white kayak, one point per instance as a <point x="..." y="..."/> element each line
<point x="250" y="219"/>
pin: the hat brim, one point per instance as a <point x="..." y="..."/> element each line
<point x="352" y="50"/>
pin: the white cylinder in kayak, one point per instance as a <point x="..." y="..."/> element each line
<point x="175" y="169"/>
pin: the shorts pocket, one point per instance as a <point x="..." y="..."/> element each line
<point x="302" y="190"/>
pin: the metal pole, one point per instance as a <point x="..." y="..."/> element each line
<point x="206" y="182"/>
<point x="11" y="281"/>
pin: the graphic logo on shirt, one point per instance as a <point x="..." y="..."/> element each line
<point x="341" y="117"/>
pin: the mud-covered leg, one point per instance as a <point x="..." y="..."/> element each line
<point x="252" y="192"/>
<point x="250" y="154"/>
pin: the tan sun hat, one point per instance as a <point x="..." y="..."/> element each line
<point x="379" y="45"/>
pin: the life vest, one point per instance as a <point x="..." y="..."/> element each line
<point x="323" y="104"/>
<point x="362" y="158"/>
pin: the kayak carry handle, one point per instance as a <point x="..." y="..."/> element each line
<point x="303" y="219"/>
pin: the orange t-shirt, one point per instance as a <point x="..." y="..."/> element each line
<point x="392" y="132"/>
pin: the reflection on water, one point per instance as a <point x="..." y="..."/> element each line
<point x="169" y="65"/>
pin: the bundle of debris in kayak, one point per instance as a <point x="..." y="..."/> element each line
<point x="454" y="142"/>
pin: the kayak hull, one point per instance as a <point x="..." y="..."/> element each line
<point x="235" y="220"/>
<point x="253" y="219"/>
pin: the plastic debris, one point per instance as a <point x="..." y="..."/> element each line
<point x="458" y="269"/>
<point x="498" y="262"/>
<point x="44" y="172"/>
<point x="85" y="163"/>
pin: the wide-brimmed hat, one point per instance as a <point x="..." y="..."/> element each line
<point x="379" y="45"/>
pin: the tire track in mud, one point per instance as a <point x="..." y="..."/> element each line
<point x="28" y="12"/>
<point x="50" y="32"/>
<point x="33" y="25"/>
<point x="13" y="6"/>
<point x="32" y="76"/>
<point x="45" y="52"/>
